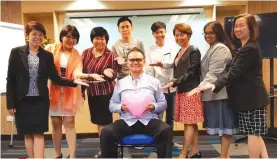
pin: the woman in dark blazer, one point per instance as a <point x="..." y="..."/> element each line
<point x="245" y="87"/>
<point x="29" y="69"/>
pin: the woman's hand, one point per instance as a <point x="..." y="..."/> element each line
<point x="120" y="60"/>
<point x="204" y="87"/>
<point x="207" y="87"/>
<point x="194" y="91"/>
<point x="97" y="77"/>
<point x="108" y="72"/>
<point x="158" y="63"/>
<point x="80" y="82"/>
<point x="12" y="111"/>
<point x="168" y="85"/>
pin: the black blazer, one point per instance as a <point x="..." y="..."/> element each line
<point x="187" y="71"/>
<point x="244" y="79"/>
<point x="18" y="75"/>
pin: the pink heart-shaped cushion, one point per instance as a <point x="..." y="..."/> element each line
<point x="137" y="104"/>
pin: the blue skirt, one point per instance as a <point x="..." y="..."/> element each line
<point x="220" y="118"/>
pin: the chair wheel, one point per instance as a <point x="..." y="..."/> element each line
<point x="236" y="146"/>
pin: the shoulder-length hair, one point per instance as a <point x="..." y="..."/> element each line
<point x="252" y="26"/>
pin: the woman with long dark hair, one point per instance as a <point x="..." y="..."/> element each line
<point x="246" y="90"/>
<point x="219" y="117"/>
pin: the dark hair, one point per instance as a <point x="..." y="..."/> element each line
<point x="252" y="26"/>
<point x="69" y="29"/>
<point x="221" y="35"/>
<point x="99" y="31"/>
<point x="34" y="25"/>
<point x="123" y="19"/>
<point x="184" y="28"/>
<point x="135" y="49"/>
<point x="158" y="25"/>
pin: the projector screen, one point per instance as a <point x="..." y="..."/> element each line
<point x="142" y="31"/>
<point x="12" y="35"/>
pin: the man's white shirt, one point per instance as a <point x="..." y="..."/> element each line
<point x="165" y="54"/>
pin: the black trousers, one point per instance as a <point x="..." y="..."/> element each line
<point x="170" y="110"/>
<point x="112" y="133"/>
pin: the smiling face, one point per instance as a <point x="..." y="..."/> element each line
<point x="159" y="35"/>
<point x="35" y="38"/>
<point x="181" y="39"/>
<point x="69" y="41"/>
<point x="125" y="29"/>
<point x="99" y="43"/>
<point x="210" y="35"/>
<point x="241" y="29"/>
<point x="135" y="62"/>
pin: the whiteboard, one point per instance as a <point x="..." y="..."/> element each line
<point x="11" y="35"/>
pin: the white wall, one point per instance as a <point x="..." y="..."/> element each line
<point x="142" y="29"/>
<point x="12" y="35"/>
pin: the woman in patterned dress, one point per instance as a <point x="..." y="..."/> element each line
<point x="245" y="86"/>
<point x="30" y="67"/>
<point x="189" y="110"/>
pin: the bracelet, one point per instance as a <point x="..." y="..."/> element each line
<point x="89" y="77"/>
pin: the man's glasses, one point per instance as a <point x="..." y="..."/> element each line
<point x="135" y="60"/>
<point x="208" y="33"/>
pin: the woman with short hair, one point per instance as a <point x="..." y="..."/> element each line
<point x="30" y="67"/>
<point x="100" y="60"/>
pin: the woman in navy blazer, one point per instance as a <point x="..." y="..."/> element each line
<point x="29" y="69"/>
<point x="245" y="86"/>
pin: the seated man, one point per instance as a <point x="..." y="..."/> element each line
<point x="148" y="122"/>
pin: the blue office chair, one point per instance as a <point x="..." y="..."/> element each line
<point x="136" y="140"/>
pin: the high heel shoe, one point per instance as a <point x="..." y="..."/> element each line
<point x="61" y="156"/>
<point x="197" y="155"/>
<point x="182" y="155"/>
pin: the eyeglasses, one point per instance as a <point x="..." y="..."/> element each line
<point x="208" y="33"/>
<point x="135" y="60"/>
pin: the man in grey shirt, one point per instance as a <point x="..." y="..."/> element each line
<point x="125" y="44"/>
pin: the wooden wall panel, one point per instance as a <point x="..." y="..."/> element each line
<point x="257" y="7"/>
<point x="6" y="126"/>
<point x="46" y="19"/>
<point x="11" y="12"/>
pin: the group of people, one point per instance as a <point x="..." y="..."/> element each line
<point x="225" y="89"/>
